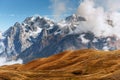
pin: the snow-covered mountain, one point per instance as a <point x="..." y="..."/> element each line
<point x="21" y="36"/>
<point x="40" y="37"/>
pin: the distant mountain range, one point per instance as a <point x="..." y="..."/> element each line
<point x="38" y="37"/>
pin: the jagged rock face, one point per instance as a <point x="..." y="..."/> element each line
<point x="58" y="43"/>
<point x="21" y="36"/>
<point x="39" y="37"/>
<point x="74" y="18"/>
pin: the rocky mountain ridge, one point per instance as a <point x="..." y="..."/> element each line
<point x="38" y="37"/>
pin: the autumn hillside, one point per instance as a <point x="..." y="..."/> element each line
<point x="68" y="65"/>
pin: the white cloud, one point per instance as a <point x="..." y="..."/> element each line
<point x="3" y="61"/>
<point x="110" y="5"/>
<point x="61" y="7"/>
<point x="97" y="16"/>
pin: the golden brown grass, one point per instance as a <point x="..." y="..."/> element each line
<point x="68" y="65"/>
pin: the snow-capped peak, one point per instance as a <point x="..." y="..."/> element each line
<point x="75" y="18"/>
<point x="40" y="36"/>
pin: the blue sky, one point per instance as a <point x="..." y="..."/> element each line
<point x="12" y="11"/>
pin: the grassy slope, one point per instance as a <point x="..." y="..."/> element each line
<point x="69" y="65"/>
